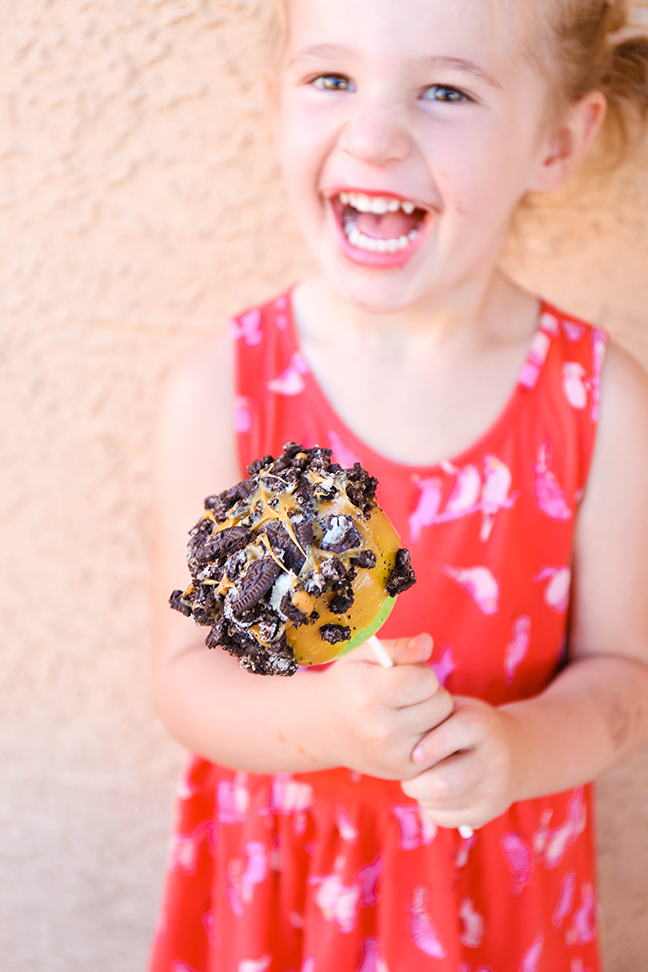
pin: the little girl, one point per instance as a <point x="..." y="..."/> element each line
<point x="317" y="829"/>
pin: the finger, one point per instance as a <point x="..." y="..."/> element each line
<point x="447" y="786"/>
<point x="406" y="685"/>
<point x="409" y="651"/>
<point x="415" y="720"/>
<point x="466" y="728"/>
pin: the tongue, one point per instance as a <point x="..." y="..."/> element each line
<point x="387" y="227"/>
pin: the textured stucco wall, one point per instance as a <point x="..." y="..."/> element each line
<point x="139" y="206"/>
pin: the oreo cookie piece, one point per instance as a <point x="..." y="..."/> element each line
<point x="402" y="576"/>
<point x="334" y="633"/>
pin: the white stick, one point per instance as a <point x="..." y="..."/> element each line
<point x="380" y="652"/>
<point x="386" y="662"/>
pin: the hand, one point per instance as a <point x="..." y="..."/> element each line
<point x="473" y="766"/>
<point x="374" y="717"/>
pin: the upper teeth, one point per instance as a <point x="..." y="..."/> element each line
<point x="376" y="204"/>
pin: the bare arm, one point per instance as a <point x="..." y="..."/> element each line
<point x="595" y="713"/>
<point x="353" y="714"/>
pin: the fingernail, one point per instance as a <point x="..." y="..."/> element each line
<point x="420" y="754"/>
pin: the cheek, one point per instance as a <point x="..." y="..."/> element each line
<point x="484" y="174"/>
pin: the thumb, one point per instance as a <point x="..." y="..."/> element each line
<point x="409" y="651"/>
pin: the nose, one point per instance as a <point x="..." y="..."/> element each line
<point x="375" y="133"/>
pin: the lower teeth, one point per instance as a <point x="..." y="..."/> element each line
<point x="362" y="242"/>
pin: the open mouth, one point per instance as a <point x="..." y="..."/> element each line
<point x="379" y="224"/>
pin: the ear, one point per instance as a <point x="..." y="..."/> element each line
<point x="568" y="140"/>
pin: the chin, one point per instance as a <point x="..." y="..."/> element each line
<point x="372" y="290"/>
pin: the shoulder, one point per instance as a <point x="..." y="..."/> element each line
<point x="622" y="437"/>
<point x="624" y="389"/>
<point x="195" y="440"/>
<point x="610" y="564"/>
<point x="203" y="372"/>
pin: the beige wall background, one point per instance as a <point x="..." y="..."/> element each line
<point x="139" y="207"/>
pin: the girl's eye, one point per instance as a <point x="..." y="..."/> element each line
<point x="442" y="92"/>
<point x="333" y="82"/>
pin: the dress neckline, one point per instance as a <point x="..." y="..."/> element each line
<point x="506" y="417"/>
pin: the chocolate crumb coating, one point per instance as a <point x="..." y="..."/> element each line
<point x="402" y="577"/>
<point x="333" y="633"/>
<point x="296" y="551"/>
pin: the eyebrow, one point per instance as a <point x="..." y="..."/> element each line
<point x="321" y="50"/>
<point x="340" y="50"/>
<point x="464" y="65"/>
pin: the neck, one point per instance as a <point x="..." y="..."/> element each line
<point x="438" y="320"/>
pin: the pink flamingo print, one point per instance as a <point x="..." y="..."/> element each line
<point x="556" y="594"/>
<point x="573" y="331"/>
<point x="422" y="929"/>
<point x="255" y="965"/>
<point x="416" y="828"/>
<point x="495" y="494"/>
<point x="183" y="848"/>
<point x="242" y="414"/>
<point x="552" y="844"/>
<point x="183" y="853"/>
<point x="519" y="859"/>
<point x="296" y="920"/>
<point x="256" y="868"/>
<point x="550" y="498"/>
<point x="480" y="584"/>
<point x="549" y="322"/>
<point x="209" y="921"/>
<point x="368" y="880"/>
<point x="577" y="966"/>
<point x="472" y="933"/>
<point x="583" y="929"/>
<point x="342" y="453"/>
<point x="232" y="800"/>
<point x="288" y="796"/>
<point x="531" y="959"/>
<point x="536" y="358"/>
<point x="518" y="647"/>
<point x="242" y="877"/>
<point x="464" y="493"/>
<point x="337" y="901"/>
<point x="599" y="344"/>
<point x="184" y="790"/>
<point x="248" y="327"/>
<point x="573" y="384"/>
<point x="291" y="380"/>
<point x="371" y="959"/>
<point x="445" y="666"/>
<point x="346" y="827"/>
<point x="281" y="321"/>
<point x="565" y="899"/>
<point x="427" y="507"/>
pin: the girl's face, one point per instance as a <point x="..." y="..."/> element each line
<point x="408" y="131"/>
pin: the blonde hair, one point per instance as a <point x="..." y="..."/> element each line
<point x="275" y="28"/>
<point x="594" y="45"/>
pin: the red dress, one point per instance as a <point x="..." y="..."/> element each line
<point x="338" y="872"/>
